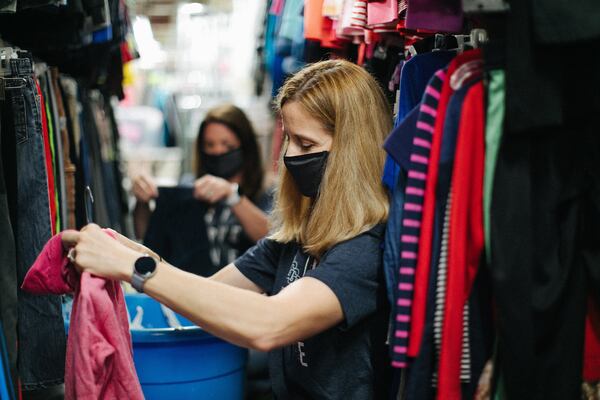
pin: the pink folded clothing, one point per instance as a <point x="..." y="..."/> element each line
<point x="99" y="362"/>
<point x="382" y="13"/>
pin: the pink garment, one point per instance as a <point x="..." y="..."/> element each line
<point x="345" y="27"/>
<point x="99" y="362"/>
<point x="277" y="7"/>
<point x="380" y="13"/>
<point x="359" y="14"/>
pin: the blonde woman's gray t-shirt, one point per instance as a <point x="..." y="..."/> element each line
<point x="348" y="361"/>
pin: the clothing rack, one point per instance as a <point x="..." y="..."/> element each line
<point x="500" y="97"/>
<point x="58" y="142"/>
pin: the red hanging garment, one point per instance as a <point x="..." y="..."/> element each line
<point x="427" y="224"/>
<point x="591" y="356"/>
<point x="466" y="239"/>
<point x="48" y="158"/>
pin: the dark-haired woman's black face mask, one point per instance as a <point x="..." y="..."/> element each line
<point x="307" y="171"/>
<point x="223" y="165"/>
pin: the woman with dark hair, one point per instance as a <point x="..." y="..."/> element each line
<point x="229" y="178"/>
<point x="244" y="158"/>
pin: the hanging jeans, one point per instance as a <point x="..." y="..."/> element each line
<point x="41" y="333"/>
<point x="8" y="260"/>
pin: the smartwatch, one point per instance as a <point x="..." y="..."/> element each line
<point x="234" y="198"/>
<point x="144" y="268"/>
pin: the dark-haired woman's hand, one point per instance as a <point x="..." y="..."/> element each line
<point x="144" y="188"/>
<point x="212" y="189"/>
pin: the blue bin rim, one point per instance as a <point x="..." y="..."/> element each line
<point x="167" y="334"/>
<point x="158" y="335"/>
<point x="164" y="335"/>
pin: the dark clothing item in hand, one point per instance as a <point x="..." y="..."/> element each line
<point x="195" y="236"/>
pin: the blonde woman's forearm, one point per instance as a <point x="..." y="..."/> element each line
<point x="244" y="317"/>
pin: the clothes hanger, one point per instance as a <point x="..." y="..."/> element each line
<point x="88" y="203"/>
<point x="465" y="72"/>
<point x="461" y="41"/>
<point x="485" y="6"/>
<point x="430" y="43"/>
<point x="471" y="69"/>
<point x="478" y="37"/>
<point x="381" y="51"/>
<point x="475" y="39"/>
<point x="443" y="42"/>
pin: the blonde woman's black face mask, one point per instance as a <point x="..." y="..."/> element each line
<point x="307" y="171"/>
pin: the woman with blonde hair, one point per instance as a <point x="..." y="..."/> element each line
<point x="324" y="316"/>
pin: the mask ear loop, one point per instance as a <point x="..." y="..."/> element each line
<point x="285" y="141"/>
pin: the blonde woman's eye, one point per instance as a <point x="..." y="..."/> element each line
<point x="306" y="146"/>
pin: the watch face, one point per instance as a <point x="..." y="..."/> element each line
<point x="145" y="265"/>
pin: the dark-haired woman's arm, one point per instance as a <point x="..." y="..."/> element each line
<point x="212" y="189"/>
<point x="254" y="220"/>
<point x="144" y="189"/>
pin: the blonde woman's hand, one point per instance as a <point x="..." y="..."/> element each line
<point x="93" y="250"/>
<point x="144" y="189"/>
<point x="133" y="245"/>
<point x="212" y="189"/>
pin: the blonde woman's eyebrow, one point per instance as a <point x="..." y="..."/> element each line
<point x="305" y="138"/>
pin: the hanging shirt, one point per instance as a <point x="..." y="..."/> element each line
<point x="414" y="77"/>
<point x="332" y="8"/>
<point x="99" y="364"/>
<point x="48" y="158"/>
<point x="382" y="13"/>
<point x="347" y="361"/>
<point x="391" y="247"/>
<point x="493" y="136"/>
<point x="313" y="19"/>
<point x="435" y="15"/>
<point x="591" y="356"/>
<point x="397" y="145"/>
<point x="277" y="7"/>
<point x="412" y="214"/>
<point x="344" y="27"/>
<point x="292" y="19"/>
<point x="416" y="74"/>
<point x="359" y="14"/>
<point x="446" y="163"/>
<point x="428" y="217"/>
<point x="466" y="238"/>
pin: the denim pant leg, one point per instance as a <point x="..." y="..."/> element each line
<point x="8" y="258"/>
<point x="41" y="330"/>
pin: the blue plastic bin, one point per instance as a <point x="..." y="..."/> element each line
<point x="183" y="363"/>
